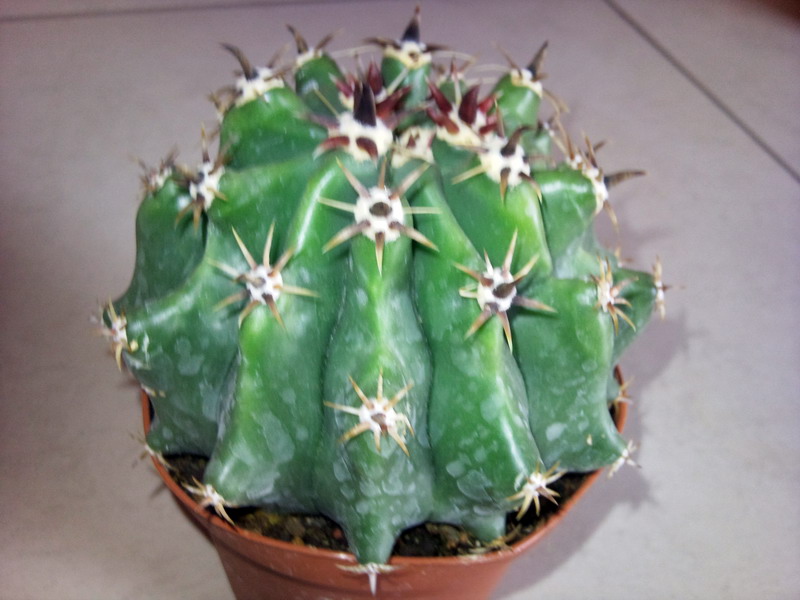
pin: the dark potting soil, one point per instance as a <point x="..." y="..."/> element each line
<point x="428" y="539"/>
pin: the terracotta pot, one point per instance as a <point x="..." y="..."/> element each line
<point x="262" y="568"/>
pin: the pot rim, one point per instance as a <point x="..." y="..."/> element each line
<point x="504" y="554"/>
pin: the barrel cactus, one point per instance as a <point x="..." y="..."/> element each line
<point x="382" y="300"/>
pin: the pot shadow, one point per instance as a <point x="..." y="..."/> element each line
<point x="191" y="517"/>
<point x="161" y="488"/>
<point x="578" y="525"/>
<point x="644" y="363"/>
<point x="629" y="488"/>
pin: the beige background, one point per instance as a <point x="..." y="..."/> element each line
<point x="703" y="95"/>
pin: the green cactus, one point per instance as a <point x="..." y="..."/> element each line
<point x="384" y="300"/>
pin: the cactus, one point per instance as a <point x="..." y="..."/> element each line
<point x="383" y="300"/>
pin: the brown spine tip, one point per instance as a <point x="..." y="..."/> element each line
<point x="615" y="179"/>
<point x="299" y="40"/>
<point x="535" y="66"/>
<point x="374" y="78"/>
<point x="390" y="105"/>
<point x="368" y="146"/>
<point x="326" y="40"/>
<point x="492" y="124"/>
<point x="247" y="69"/>
<point x="411" y="34"/>
<point x="504" y="175"/>
<point x="364" y="105"/>
<point x="440" y="99"/>
<point x="486" y="104"/>
<point x="345" y="87"/>
<point x="511" y="63"/>
<point x="513" y="141"/>
<point x="442" y="120"/>
<point x="339" y="141"/>
<point x="468" y="110"/>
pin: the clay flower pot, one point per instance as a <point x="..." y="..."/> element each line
<point x="262" y="568"/>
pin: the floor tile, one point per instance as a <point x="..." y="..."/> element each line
<point x="744" y="53"/>
<point x="38" y="9"/>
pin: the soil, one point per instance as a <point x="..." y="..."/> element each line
<point x="428" y="539"/>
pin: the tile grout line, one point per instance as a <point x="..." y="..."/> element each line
<point x="702" y="88"/>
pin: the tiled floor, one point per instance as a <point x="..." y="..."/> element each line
<point x="703" y="95"/>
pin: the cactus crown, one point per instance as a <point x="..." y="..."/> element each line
<point x="383" y="300"/>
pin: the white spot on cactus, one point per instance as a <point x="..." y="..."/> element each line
<point x="182" y="201"/>
<point x="267" y="486"/>
<point x="475" y="485"/>
<point x="190" y="364"/>
<point x="342" y="474"/>
<point x="455" y="468"/>
<point x="554" y="431"/>
<point x="280" y="440"/>
<point x="394" y="486"/>
<point x="370" y="488"/>
<point x="490" y="409"/>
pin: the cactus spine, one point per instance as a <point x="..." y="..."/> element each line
<point x="383" y="300"/>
